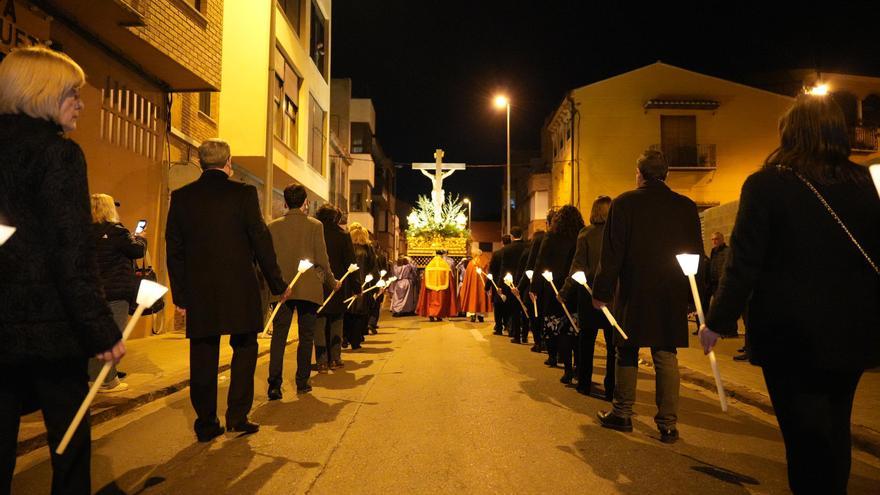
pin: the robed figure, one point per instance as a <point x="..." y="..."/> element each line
<point x="437" y="299"/>
<point x="404" y="290"/>
<point x="474" y="299"/>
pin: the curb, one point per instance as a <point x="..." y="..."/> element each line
<point x="33" y="443"/>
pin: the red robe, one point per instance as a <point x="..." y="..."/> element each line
<point x="437" y="297"/>
<point x="473" y="295"/>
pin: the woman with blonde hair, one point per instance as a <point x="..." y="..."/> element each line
<point x="356" y="318"/>
<point x="54" y="315"/>
<point x="116" y="248"/>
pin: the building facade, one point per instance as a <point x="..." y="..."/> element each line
<point x="146" y="65"/>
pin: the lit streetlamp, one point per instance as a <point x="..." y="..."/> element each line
<point x="502" y="101"/>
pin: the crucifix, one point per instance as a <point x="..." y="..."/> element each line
<point x="441" y="172"/>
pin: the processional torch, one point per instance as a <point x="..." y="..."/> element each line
<point x="351" y="269"/>
<point x="548" y="276"/>
<point x="300" y="269"/>
<point x="508" y="279"/>
<point x="581" y="278"/>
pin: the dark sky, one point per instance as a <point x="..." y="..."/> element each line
<point x="432" y="67"/>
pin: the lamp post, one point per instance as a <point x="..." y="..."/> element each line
<point x="502" y="101"/>
<point x="468" y="203"/>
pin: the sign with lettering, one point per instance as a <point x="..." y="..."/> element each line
<point x="20" y="26"/>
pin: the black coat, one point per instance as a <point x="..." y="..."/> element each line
<point x="51" y="304"/>
<point x="340" y="250"/>
<point x="495" y="270"/>
<point x="531" y="256"/>
<point x="511" y="258"/>
<point x="646" y="229"/>
<point x="115" y="249"/>
<point x="586" y="259"/>
<point x="365" y="258"/>
<point x="555" y="254"/>
<point x="815" y="300"/>
<point x="214" y="234"/>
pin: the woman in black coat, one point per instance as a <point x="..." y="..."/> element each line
<point x="115" y="248"/>
<point x="340" y="251"/>
<point x="356" y="317"/>
<point x="814" y="313"/>
<point x="556" y="253"/>
<point x="586" y="259"/>
<point x="53" y="316"/>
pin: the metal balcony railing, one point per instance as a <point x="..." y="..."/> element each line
<point x="692" y="156"/>
<point x="863" y="139"/>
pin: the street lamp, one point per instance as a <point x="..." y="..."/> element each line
<point x="502" y="101"/>
<point x="468" y="203"/>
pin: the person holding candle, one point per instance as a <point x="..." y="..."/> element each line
<point x="340" y="252"/>
<point x="511" y="263"/>
<point x="357" y="314"/>
<point x="532" y="286"/>
<point x="499" y="300"/>
<point x="54" y="315"/>
<point x="645" y="230"/>
<point x="809" y="210"/>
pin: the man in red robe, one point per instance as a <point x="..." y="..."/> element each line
<point x="437" y="299"/>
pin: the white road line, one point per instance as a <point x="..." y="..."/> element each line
<point x="477" y="335"/>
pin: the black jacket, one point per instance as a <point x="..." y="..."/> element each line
<point x="511" y="257"/>
<point x="716" y="265"/>
<point x="555" y="255"/>
<point x="586" y="259"/>
<point x="531" y="257"/>
<point x="51" y="304"/>
<point x="814" y="298"/>
<point x="115" y="249"/>
<point x="495" y="270"/>
<point x="340" y="250"/>
<point x="214" y="234"/>
<point x="646" y="229"/>
<point x="365" y="258"/>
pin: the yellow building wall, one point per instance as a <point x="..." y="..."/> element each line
<point x="615" y="128"/>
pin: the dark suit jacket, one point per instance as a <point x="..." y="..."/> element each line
<point x="341" y="252"/>
<point x="555" y="255"/>
<point x="214" y="235"/>
<point x="495" y="270"/>
<point x="646" y="228"/>
<point x="511" y="255"/>
<point x="815" y="300"/>
<point x="531" y="255"/>
<point x="586" y="259"/>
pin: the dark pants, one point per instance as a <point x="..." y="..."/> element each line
<point x="500" y="311"/>
<point x="373" y="321"/>
<point x="354" y="327"/>
<point x="666" y="388"/>
<point x="204" y="357"/>
<point x="813" y="408"/>
<point x="519" y="329"/>
<point x="587" y="345"/>
<point x="331" y="347"/>
<point x="535" y="324"/>
<point x="57" y="389"/>
<point x="567" y="348"/>
<point x="306" y="315"/>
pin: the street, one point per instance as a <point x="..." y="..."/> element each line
<point x="439" y="408"/>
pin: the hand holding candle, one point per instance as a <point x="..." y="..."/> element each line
<point x="529" y="275"/>
<point x="689" y="265"/>
<point x="548" y="276"/>
<point x="300" y="269"/>
<point x="508" y="279"/>
<point x="367" y="279"/>
<point x="581" y="278"/>
<point x="148" y="293"/>
<point x="351" y="269"/>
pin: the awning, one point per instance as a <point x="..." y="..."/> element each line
<point x="114" y="23"/>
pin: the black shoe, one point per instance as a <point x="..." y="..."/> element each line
<point x="208" y="432"/>
<point x="741" y="357"/>
<point x="536" y="348"/>
<point x="514" y="340"/>
<point x="246" y="427"/>
<point x="430" y="318"/>
<point x="439" y="319"/>
<point x="373" y="331"/>
<point x="583" y="390"/>
<point x="121" y="374"/>
<point x="741" y="349"/>
<point x="480" y="318"/>
<point x="668" y="435"/>
<point x="274" y="392"/>
<point x="610" y="420"/>
<point x="473" y="318"/>
<point x="566" y="378"/>
<point x="497" y="332"/>
<point x="550" y="362"/>
<point x="303" y="390"/>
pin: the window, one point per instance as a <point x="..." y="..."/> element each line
<point x="360" y="196"/>
<point x="198" y="5"/>
<point x="318" y="44"/>
<point x="293" y="11"/>
<point x="361" y="137"/>
<point x="286" y="100"/>
<point x="678" y="140"/>
<point x="205" y="103"/>
<point x="317" y="142"/>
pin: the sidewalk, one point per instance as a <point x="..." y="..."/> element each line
<point x="157" y="366"/>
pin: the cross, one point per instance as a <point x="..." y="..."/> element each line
<point x="441" y="172"/>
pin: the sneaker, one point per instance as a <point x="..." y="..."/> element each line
<point x="113" y="387"/>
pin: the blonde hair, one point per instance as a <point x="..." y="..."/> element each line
<point x="213" y="153"/>
<point x="35" y="80"/>
<point x="104" y="209"/>
<point x="359" y="234"/>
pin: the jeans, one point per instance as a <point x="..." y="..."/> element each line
<point x="813" y="408"/>
<point x="120" y="316"/>
<point x="667" y="384"/>
<point x="328" y="338"/>
<point x="306" y="318"/>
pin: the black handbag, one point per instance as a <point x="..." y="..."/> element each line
<point x="145" y="272"/>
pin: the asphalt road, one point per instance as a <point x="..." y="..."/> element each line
<point x="439" y="408"/>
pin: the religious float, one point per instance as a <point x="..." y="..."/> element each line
<point x="438" y="223"/>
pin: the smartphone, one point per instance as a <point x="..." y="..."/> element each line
<point x="142" y="224"/>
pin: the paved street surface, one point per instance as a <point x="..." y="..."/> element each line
<point x="439" y="408"/>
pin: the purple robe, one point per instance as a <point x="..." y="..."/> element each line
<point x="404" y="290"/>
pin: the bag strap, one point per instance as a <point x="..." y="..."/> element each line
<point x="833" y="215"/>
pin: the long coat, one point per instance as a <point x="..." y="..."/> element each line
<point x="51" y="304"/>
<point x="340" y="251"/>
<point x="473" y="296"/>
<point x="555" y="255"/>
<point x="531" y="256"/>
<point x="815" y="300"/>
<point x="511" y="257"/>
<point x="214" y="234"/>
<point x="296" y="237"/>
<point x="365" y="257"/>
<point x="645" y="229"/>
<point x="586" y="259"/>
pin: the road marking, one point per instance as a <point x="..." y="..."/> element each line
<point x="477" y="335"/>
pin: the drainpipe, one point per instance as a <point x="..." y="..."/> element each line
<point x="270" y="119"/>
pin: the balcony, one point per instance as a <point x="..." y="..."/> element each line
<point x="863" y="139"/>
<point x="688" y="157"/>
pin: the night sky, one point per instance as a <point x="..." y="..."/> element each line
<point x="432" y="67"/>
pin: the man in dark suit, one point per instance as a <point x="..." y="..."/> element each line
<point x="499" y="300"/>
<point x="511" y="257"/>
<point x="214" y="234"/>
<point x="645" y="229"/>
